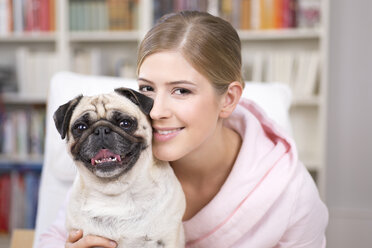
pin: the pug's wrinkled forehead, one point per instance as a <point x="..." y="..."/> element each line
<point x="106" y="106"/>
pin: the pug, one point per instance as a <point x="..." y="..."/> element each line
<point x="121" y="191"/>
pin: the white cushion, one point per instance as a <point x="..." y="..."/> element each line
<point x="274" y="98"/>
<point x="58" y="169"/>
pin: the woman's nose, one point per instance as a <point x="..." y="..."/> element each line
<point x="160" y="109"/>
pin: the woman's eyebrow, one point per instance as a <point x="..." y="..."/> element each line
<point x="145" y="80"/>
<point x="170" y="83"/>
<point x="181" y="82"/>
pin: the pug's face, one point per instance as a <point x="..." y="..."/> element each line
<point x="106" y="133"/>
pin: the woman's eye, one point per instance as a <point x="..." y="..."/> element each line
<point x="126" y="124"/>
<point x="145" y="88"/>
<point x="182" y="91"/>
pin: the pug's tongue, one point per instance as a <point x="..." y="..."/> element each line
<point x="103" y="156"/>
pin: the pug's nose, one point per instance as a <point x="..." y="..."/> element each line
<point x="102" y="130"/>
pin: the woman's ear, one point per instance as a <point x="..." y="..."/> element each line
<point x="230" y="99"/>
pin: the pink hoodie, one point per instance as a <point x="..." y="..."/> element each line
<point x="268" y="200"/>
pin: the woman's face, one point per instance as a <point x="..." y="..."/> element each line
<point x="186" y="106"/>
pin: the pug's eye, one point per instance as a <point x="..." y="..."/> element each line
<point x="81" y="127"/>
<point x="126" y="124"/>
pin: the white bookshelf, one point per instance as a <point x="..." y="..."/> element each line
<point x="280" y="34"/>
<point x="28" y="37"/>
<point x="104" y="36"/>
<point x="18" y="99"/>
<point x="308" y="114"/>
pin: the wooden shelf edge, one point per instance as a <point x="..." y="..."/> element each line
<point x="28" y="159"/>
<point x="16" y="98"/>
<point x="305" y="101"/>
<point x="280" y="34"/>
<point x="29" y="37"/>
<point x="106" y="36"/>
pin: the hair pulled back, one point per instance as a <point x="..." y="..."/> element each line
<point x="209" y="43"/>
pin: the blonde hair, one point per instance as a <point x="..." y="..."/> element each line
<point x="209" y="43"/>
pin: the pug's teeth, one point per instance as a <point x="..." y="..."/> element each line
<point x="105" y="160"/>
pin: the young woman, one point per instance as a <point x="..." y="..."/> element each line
<point x="243" y="182"/>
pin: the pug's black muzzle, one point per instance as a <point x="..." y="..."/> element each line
<point x="107" y="149"/>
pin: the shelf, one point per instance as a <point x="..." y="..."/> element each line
<point x="279" y="34"/>
<point x="27" y="160"/>
<point x="313" y="101"/>
<point x="28" y="37"/>
<point x="310" y="161"/>
<point x="4" y="240"/>
<point x="16" y="98"/>
<point x="17" y="163"/>
<point x="104" y="36"/>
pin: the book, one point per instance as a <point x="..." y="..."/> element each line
<point x="18" y="16"/>
<point x="44" y="11"/>
<point x="9" y="135"/>
<point x="22" y="133"/>
<point x="290" y="9"/>
<point x="255" y="14"/>
<point x="34" y="71"/>
<point x="5" y="17"/>
<point x="31" y="188"/>
<point x="36" y="132"/>
<point x="278" y="14"/>
<point x="306" y="77"/>
<point x="245" y="14"/>
<point x="4" y="202"/>
<point x="308" y="13"/>
<point x="17" y="202"/>
<point x="280" y="67"/>
<point x="258" y="67"/>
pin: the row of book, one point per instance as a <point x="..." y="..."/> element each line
<point x="162" y="7"/>
<point x="20" y="16"/>
<point x="301" y="70"/>
<point x="103" y="15"/>
<point x="251" y="14"/>
<point x="34" y="70"/>
<point x="18" y="200"/>
<point x="22" y="133"/>
<point x="96" y="62"/>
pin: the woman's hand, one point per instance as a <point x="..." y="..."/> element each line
<point x="75" y="239"/>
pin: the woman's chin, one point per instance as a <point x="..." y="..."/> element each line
<point x="165" y="155"/>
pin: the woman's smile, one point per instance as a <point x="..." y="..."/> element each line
<point x="165" y="134"/>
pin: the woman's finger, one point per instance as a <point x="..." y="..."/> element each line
<point x="74" y="235"/>
<point x="94" y="241"/>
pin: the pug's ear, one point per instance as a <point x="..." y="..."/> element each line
<point x="63" y="114"/>
<point x="145" y="103"/>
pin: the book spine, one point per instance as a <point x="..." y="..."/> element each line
<point x="5" y="17"/>
<point x="245" y="15"/>
<point x="44" y="15"/>
<point x="5" y="188"/>
<point x="278" y="14"/>
<point x="52" y="15"/>
<point x="255" y="14"/>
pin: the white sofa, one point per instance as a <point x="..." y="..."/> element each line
<point x="58" y="169"/>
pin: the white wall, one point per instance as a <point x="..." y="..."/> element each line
<point x="349" y="129"/>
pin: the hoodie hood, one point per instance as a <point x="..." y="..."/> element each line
<point x="266" y="163"/>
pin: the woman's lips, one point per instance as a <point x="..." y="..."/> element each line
<point x="165" y="134"/>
